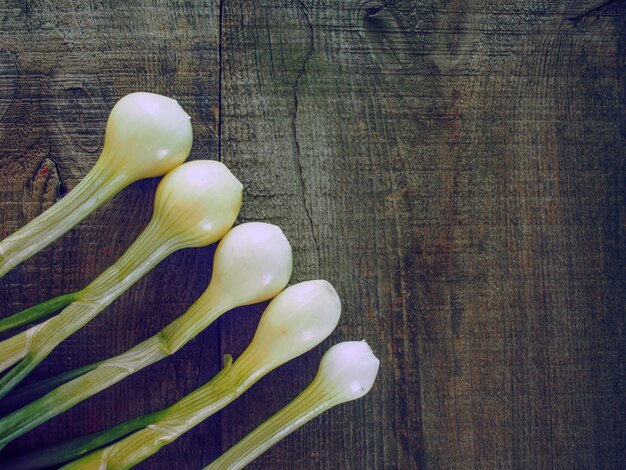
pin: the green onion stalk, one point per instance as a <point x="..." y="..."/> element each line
<point x="252" y="263"/>
<point x="294" y="322"/>
<point x="347" y="372"/>
<point x="195" y="205"/>
<point x="147" y="135"/>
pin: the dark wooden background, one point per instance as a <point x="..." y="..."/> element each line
<point x="455" y="169"/>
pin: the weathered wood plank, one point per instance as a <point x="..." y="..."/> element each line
<point x="455" y="170"/>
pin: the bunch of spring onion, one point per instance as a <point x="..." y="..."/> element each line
<point x="147" y="135"/>
<point x="252" y="263"/>
<point x="294" y="322"/>
<point x="195" y="205"/>
<point x="347" y="372"/>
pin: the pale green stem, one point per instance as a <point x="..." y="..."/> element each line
<point x="165" y="343"/>
<point x="180" y="417"/>
<point x="34" y="344"/>
<point x="312" y="402"/>
<point x="96" y="188"/>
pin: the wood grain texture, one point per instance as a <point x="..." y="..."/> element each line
<point x="456" y="171"/>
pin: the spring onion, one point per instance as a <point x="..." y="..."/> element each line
<point x="252" y="263"/>
<point x="347" y="372"/>
<point x="195" y="204"/>
<point x="297" y="320"/>
<point x="147" y="135"/>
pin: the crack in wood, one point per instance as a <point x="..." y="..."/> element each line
<point x="294" y="126"/>
<point x="219" y="84"/>
<point x="220" y="78"/>
<point x="60" y="185"/>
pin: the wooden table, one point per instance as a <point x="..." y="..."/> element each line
<point x="455" y="169"/>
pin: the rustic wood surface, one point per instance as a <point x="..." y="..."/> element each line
<point x="455" y="169"/>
